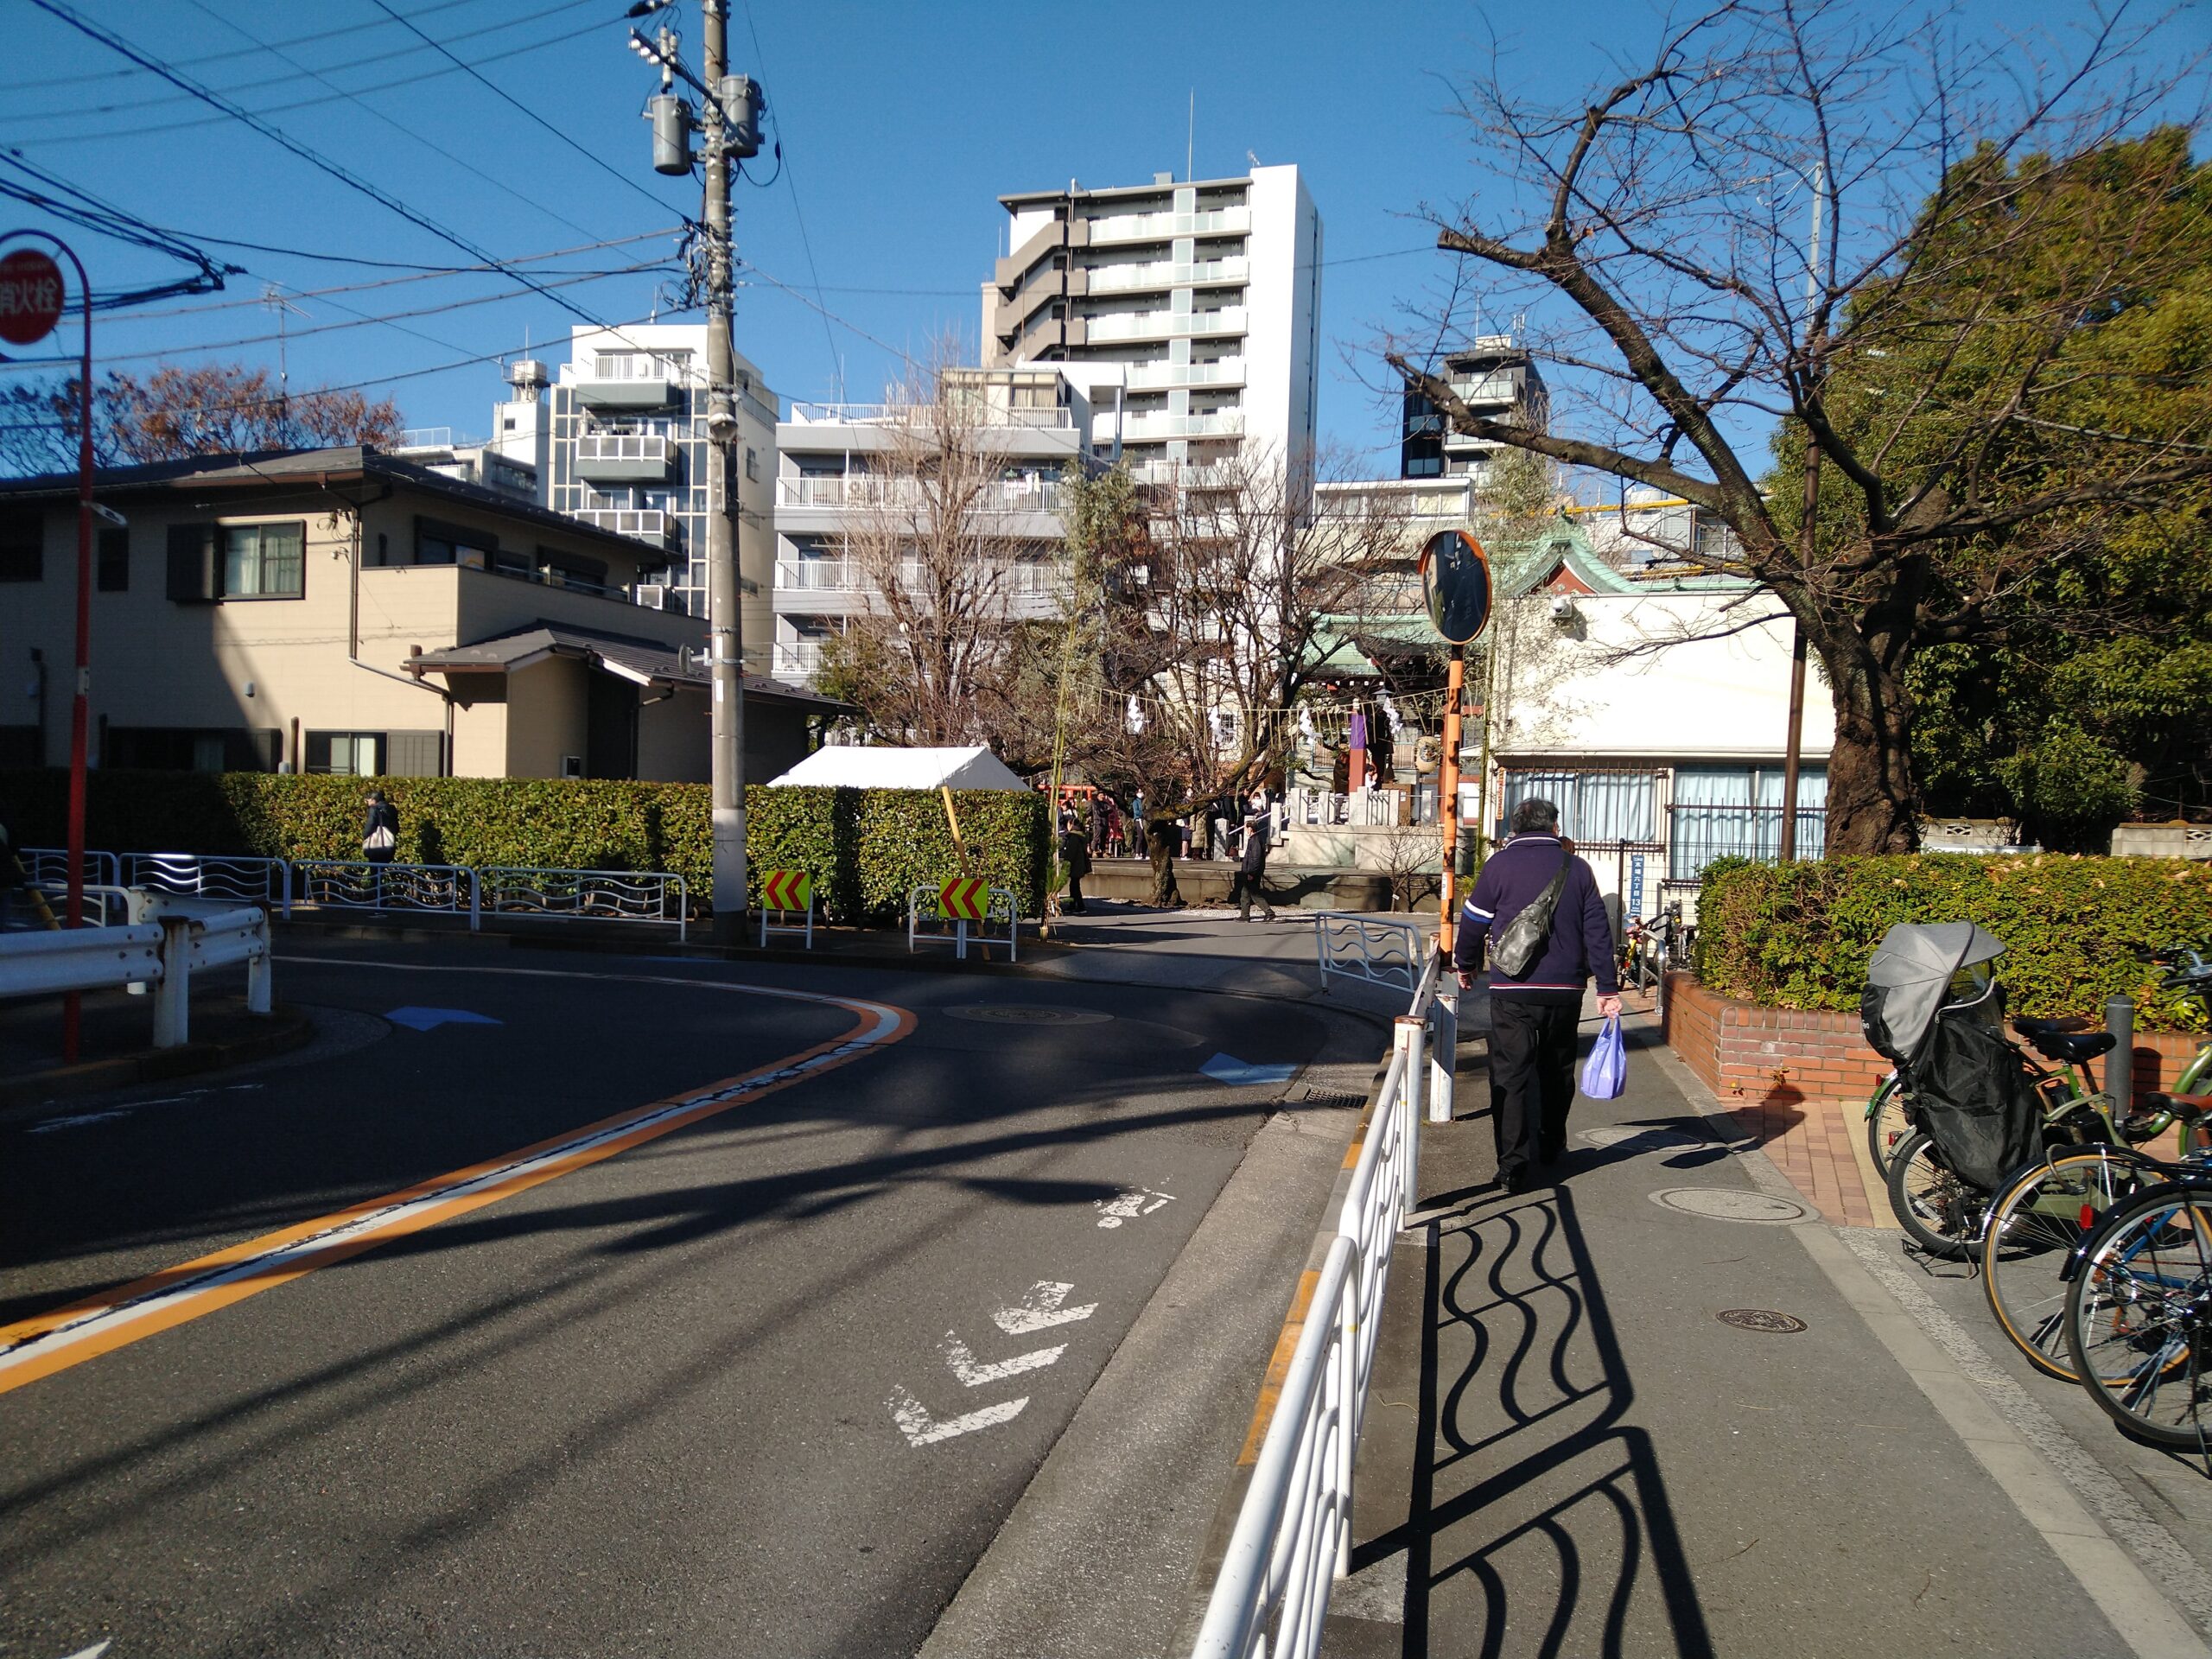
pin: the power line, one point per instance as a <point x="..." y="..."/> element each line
<point x="805" y="243"/>
<point x="79" y="110"/>
<point x="42" y="81"/>
<point x="597" y="161"/>
<point x="401" y="128"/>
<point x="167" y="127"/>
<point x="306" y="153"/>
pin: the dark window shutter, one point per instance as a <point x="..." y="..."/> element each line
<point x="414" y="755"/>
<point x="194" y="571"/>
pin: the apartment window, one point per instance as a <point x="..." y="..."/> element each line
<point x="265" y="561"/>
<point x="186" y="748"/>
<point x="350" y="755"/>
<point x="442" y="543"/>
<point x="22" y="541"/>
<point x="111" y="574"/>
<point x="1593" y="806"/>
<point x="570" y="570"/>
<point x="751" y="464"/>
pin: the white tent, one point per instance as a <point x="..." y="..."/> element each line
<point x="870" y="768"/>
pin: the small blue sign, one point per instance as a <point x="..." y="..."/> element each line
<point x="1636" y="884"/>
<point x="429" y="1019"/>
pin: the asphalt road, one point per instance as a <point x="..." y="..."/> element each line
<point x="747" y="1385"/>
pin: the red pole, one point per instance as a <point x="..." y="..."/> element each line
<point x="80" y="704"/>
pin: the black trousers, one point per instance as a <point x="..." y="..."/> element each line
<point x="1245" y="891"/>
<point x="1531" y="1079"/>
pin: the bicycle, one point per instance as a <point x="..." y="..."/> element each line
<point x="2139" y="1314"/>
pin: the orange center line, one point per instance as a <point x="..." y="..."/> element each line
<point x="68" y="1336"/>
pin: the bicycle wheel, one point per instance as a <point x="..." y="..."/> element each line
<point x="1887" y="1124"/>
<point x="2034" y="1222"/>
<point x="1940" y="1210"/>
<point x="2138" y="1327"/>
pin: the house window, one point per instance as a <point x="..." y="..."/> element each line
<point x="1736" y="812"/>
<point x="23" y="547"/>
<point x="354" y="754"/>
<point x="112" y="574"/>
<point x="265" y="561"/>
<point x="1593" y="806"/>
<point x="751" y="464"/>
<point x="442" y="543"/>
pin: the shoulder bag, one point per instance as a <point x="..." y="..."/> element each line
<point x="1518" y="945"/>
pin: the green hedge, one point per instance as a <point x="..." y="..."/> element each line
<point x="864" y="847"/>
<point x="1798" y="936"/>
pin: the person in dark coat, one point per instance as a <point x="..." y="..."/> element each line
<point x="1537" y="1016"/>
<point x="1075" y="858"/>
<point x="1162" y="838"/>
<point x="380" y="835"/>
<point x="1252" y="866"/>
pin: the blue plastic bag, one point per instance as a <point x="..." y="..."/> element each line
<point x="1605" y="1073"/>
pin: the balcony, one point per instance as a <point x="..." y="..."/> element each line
<point x="1161" y="227"/>
<point x="798" y="659"/>
<point x="1161" y="274"/>
<point x="1143" y="428"/>
<point x="645" y="524"/>
<point x="1501" y="388"/>
<point x="1047" y="419"/>
<point x="1150" y="377"/>
<point x="654" y="389"/>
<point x="1166" y="325"/>
<point x="624" y="457"/>
<point x="816" y="576"/>
<point x="906" y="495"/>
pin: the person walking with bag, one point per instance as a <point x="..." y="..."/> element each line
<point x="1535" y="912"/>
<point x="1252" y="866"/>
<point x="1075" y="858"/>
<point x="380" y="835"/>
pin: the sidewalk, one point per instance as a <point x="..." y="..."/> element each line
<point x="1665" y="1408"/>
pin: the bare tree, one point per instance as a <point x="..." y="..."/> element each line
<point x="1847" y="223"/>
<point x="954" y="588"/>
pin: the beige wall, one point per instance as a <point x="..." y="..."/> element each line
<point x="545" y="716"/>
<point x="480" y="732"/>
<point x="160" y="662"/>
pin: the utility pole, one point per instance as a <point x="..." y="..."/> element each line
<point x="1786" y="848"/>
<point x="729" y="123"/>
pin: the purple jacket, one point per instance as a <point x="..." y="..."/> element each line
<point x="1581" y="941"/>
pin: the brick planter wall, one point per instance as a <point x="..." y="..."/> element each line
<point x="1746" y="1053"/>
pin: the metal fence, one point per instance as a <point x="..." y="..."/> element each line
<point x="355" y="884"/>
<point x="1292" y="1539"/>
<point x="263" y="881"/>
<point x="1355" y="947"/>
<point x="600" y="895"/>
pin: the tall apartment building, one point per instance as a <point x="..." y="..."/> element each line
<point x="839" y="465"/>
<point x="1495" y="377"/>
<point x="618" y="440"/>
<point x="1190" y="312"/>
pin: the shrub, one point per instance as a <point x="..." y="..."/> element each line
<point x="864" y="849"/>
<point x="1799" y="936"/>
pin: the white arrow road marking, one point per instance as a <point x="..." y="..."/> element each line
<point x="958" y="1356"/>
<point x="1041" y="1310"/>
<point x="921" y="1429"/>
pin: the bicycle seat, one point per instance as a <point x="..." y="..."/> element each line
<point x="2070" y="1046"/>
<point x="2030" y="1028"/>
<point x="2191" y="1109"/>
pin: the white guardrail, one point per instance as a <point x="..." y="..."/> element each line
<point x="1293" y="1536"/>
<point x="176" y="938"/>
<point x="1358" y="947"/>
<point x="998" y="910"/>
<point x="277" y="884"/>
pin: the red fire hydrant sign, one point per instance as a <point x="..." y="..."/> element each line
<point x="30" y="297"/>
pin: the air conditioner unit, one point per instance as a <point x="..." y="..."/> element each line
<point x="653" y="595"/>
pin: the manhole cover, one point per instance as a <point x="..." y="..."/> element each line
<point x="1031" y="1013"/>
<point x="1643" y="1140"/>
<point x="1761" y="1319"/>
<point x="1731" y="1204"/>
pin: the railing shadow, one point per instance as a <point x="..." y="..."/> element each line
<point x="1528" y="1479"/>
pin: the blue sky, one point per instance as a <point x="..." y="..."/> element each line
<point x="901" y="125"/>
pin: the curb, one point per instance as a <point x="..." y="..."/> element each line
<point x="289" y="1029"/>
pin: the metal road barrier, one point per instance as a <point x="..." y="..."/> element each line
<point x="999" y="907"/>
<point x="43" y="865"/>
<point x="598" y="895"/>
<point x="356" y="884"/>
<point x="179" y="938"/>
<point x="105" y="906"/>
<point x="1293" y="1536"/>
<point x="263" y="882"/>
<point x="1358" y="947"/>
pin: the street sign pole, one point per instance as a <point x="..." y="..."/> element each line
<point x="31" y="293"/>
<point x="1455" y="581"/>
<point x="1447" y="800"/>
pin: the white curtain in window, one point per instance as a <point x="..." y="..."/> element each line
<point x="1593" y="806"/>
<point x="1736" y="812"/>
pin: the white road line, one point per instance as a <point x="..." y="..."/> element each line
<point x="1041" y="1310"/>
<point x="961" y="1359"/>
<point x="921" y="1429"/>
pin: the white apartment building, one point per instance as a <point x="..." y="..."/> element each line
<point x="1190" y="312"/>
<point x="619" y="440"/>
<point x="835" y="463"/>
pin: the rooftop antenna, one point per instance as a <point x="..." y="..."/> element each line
<point x="1191" y="138"/>
<point x="273" y="297"/>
